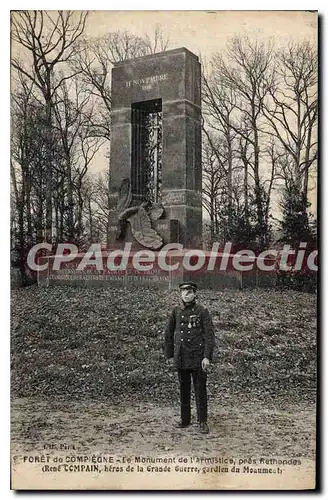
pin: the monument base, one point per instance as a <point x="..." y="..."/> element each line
<point x="114" y="267"/>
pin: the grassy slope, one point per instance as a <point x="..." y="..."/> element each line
<point x="96" y="342"/>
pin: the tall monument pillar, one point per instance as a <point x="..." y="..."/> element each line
<point x="166" y="84"/>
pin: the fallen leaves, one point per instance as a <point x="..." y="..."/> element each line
<point x="108" y="343"/>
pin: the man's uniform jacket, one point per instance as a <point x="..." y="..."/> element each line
<point x="189" y="336"/>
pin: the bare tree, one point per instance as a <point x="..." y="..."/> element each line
<point x="48" y="40"/>
<point x="157" y="42"/>
<point x="96" y="206"/>
<point x="93" y="63"/>
<point x="73" y="110"/>
<point x="88" y="193"/>
<point x="292" y="109"/>
<point x="235" y="94"/>
<point x="95" y="59"/>
<point x="26" y="150"/>
<point x="102" y="202"/>
<point x="219" y="109"/>
<point x="88" y="148"/>
<point x="213" y="177"/>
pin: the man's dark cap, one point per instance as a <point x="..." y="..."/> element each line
<point x="188" y="284"/>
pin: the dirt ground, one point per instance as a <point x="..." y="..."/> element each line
<point x="88" y="372"/>
<point x="248" y="429"/>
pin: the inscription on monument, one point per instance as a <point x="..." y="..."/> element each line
<point x="146" y="81"/>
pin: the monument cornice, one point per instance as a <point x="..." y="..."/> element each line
<point x="157" y="55"/>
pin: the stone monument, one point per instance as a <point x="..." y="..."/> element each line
<point x="155" y="157"/>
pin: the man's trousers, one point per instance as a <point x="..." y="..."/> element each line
<point x="199" y="381"/>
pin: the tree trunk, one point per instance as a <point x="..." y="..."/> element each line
<point x="246" y="192"/>
<point x="298" y="148"/>
<point x="305" y="186"/>
<point x="29" y="235"/>
<point x="212" y="219"/>
<point x="39" y="221"/>
<point x="21" y="231"/>
<point x="70" y="202"/>
<point x="258" y="196"/>
<point x="229" y="180"/>
<point x="49" y="151"/>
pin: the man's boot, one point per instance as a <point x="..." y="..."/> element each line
<point x="181" y="424"/>
<point x="203" y="428"/>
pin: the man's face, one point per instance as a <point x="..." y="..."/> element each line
<point x="188" y="294"/>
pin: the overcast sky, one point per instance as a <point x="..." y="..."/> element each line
<point x="207" y="32"/>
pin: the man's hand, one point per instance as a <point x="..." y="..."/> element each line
<point x="205" y="364"/>
<point x="170" y="361"/>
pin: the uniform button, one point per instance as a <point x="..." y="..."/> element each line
<point x="188" y="340"/>
<point x="182" y="317"/>
<point x="181" y="324"/>
<point x="181" y="331"/>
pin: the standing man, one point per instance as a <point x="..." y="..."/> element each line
<point x="189" y="344"/>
